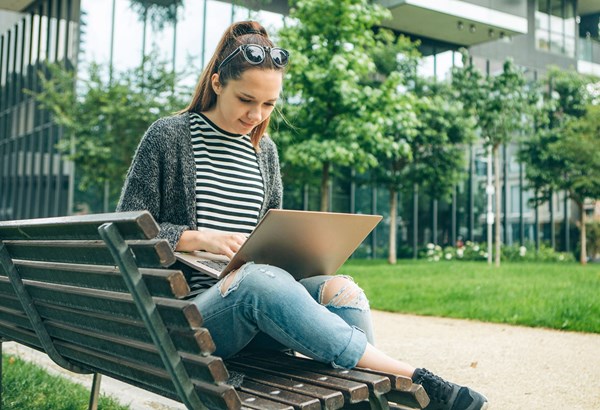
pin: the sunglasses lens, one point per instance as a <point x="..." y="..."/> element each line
<point x="254" y="54"/>
<point x="280" y="57"/>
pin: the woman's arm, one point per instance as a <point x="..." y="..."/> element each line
<point x="221" y="243"/>
<point x="143" y="189"/>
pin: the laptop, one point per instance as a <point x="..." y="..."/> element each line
<point x="304" y="243"/>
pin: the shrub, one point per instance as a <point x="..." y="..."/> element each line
<point x="473" y="251"/>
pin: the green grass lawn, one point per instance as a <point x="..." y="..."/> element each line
<point x="27" y="386"/>
<point x="556" y="295"/>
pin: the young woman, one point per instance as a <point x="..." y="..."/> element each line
<point x="208" y="175"/>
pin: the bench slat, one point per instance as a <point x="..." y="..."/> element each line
<point x="132" y="225"/>
<point x="378" y="384"/>
<point x="202" y="367"/>
<point x="154" y="253"/>
<point x="160" y="282"/>
<point x="251" y="401"/>
<point x="398" y="382"/>
<point x="415" y="397"/>
<point x="155" y="379"/>
<point x="353" y="391"/>
<point x="298" y="401"/>
<point x="178" y="313"/>
<point x="196" y="341"/>
<point x="18" y="317"/>
<point x="330" y="399"/>
<point x="28" y="338"/>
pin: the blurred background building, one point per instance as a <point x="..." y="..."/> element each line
<point x="35" y="181"/>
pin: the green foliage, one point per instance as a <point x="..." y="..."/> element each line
<point x="438" y="146"/>
<point x="499" y="104"/>
<point x="576" y="151"/>
<point x="569" y="94"/>
<point x="27" y="386"/>
<point x="560" y="296"/>
<point x="506" y="108"/>
<point x="158" y="12"/>
<point x="547" y="152"/>
<point x="329" y="103"/>
<point x="104" y="120"/>
<point x="469" y="86"/>
<point x="393" y="108"/>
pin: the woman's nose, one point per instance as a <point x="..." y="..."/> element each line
<point x="255" y="115"/>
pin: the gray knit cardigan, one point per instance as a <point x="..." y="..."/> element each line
<point x="162" y="177"/>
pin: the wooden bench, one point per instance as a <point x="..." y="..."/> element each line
<point x="100" y="294"/>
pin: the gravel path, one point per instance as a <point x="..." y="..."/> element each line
<point x="517" y="368"/>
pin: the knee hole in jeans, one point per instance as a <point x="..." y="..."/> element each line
<point x="341" y="291"/>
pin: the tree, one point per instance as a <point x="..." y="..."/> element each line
<point x="565" y="112"/>
<point x="578" y="171"/>
<point x="327" y="101"/>
<point x="103" y="121"/>
<point x="504" y="112"/>
<point x="393" y="108"/>
<point x="159" y="13"/>
<point x="499" y="105"/>
<point x="438" y="149"/>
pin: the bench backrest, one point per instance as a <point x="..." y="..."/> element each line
<point x="95" y="293"/>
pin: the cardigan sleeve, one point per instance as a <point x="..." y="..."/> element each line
<point x="272" y="175"/>
<point x="143" y="189"/>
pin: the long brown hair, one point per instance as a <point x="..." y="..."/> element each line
<point x="244" y="32"/>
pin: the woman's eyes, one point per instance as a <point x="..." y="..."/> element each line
<point x="247" y="101"/>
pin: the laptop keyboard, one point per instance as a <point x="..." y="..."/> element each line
<point x="216" y="265"/>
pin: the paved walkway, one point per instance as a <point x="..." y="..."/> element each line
<point x="517" y="368"/>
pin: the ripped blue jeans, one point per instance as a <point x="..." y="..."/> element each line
<point x="265" y="307"/>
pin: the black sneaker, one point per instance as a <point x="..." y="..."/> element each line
<point x="444" y="395"/>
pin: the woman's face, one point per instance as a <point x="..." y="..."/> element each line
<point x="244" y="103"/>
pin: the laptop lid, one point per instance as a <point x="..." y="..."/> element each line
<point x="304" y="243"/>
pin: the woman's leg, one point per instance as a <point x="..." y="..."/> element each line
<point x="262" y="298"/>
<point x="340" y="295"/>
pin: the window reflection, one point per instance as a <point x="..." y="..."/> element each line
<point x="555" y="26"/>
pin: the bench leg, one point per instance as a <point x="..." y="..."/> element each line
<point x="378" y="402"/>
<point x="95" y="392"/>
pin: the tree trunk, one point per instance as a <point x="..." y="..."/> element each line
<point x="392" y="258"/>
<point x="583" y="237"/>
<point x="498" y="205"/>
<point x="415" y="224"/>
<point x="325" y="187"/>
<point x="144" y="39"/>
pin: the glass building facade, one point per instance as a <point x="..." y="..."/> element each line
<point x="34" y="179"/>
<point x="36" y="182"/>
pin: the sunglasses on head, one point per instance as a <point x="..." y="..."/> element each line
<point x="255" y="54"/>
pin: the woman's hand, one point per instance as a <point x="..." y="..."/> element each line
<point x="218" y="242"/>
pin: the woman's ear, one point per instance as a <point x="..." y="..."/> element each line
<point x="216" y="84"/>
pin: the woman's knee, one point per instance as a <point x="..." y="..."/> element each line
<point x="256" y="278"/>
<point x="343" y="292"/>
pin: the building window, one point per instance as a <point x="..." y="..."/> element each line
<point x="555" y="26"/>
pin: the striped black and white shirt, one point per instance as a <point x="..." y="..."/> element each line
<point x="229" y="185"/>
